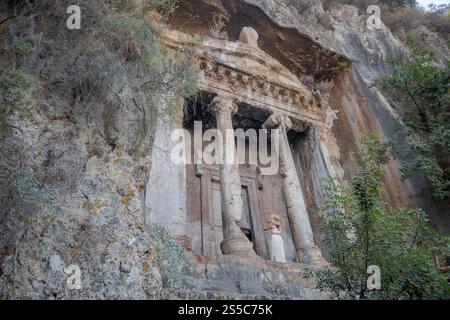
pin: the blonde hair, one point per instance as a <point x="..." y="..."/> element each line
<point x="274" y="220"/>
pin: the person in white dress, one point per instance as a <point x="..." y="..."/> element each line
<point x="276" y="241"/>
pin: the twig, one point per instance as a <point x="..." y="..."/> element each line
<point x="4" y="20"/>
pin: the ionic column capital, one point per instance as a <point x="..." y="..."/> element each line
<point x="278" y="120"/>
<point x="220" y="105"/>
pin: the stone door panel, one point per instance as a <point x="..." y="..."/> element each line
<point x="213" y="222"/>
<point x="272" y="202"/>
<point x="261" y="196"/>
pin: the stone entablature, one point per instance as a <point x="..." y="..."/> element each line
<point x="244" y="73"/>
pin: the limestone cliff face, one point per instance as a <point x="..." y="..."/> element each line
<point x="73" y="187"/>
<point x="71" y="183"/>
<point x="362" y="106"/>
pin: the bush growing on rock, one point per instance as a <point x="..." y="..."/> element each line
<point x="360" y="231"/>
<point x="423" y="88"/>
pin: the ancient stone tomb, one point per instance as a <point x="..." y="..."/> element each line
<point x="234" y="208"/>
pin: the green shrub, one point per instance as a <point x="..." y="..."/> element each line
<point x="424" y="90"/>
<point x="22" y="49"/>
<point x="172" y="258"/>
<point x="164" y="72"/>
<point x="134" y="38"/>
<point x="29" y="189"/>
<point x="359" y="231"/>
<point x="12" y="87"/>
<point x="164" y="7"/>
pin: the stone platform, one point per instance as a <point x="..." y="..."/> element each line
<point x="252" y="278"/>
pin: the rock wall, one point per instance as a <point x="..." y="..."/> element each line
<point x="74" y="190"/>
<point x="72" y="183"/>
<point x="92" y="217"/>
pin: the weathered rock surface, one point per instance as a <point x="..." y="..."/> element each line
<point x="93" y="216"/>
<point x="230" y="277"/>
<point x="96" y="225"/>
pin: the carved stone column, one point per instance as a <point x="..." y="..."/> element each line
<point x="298" y="215"/>
<point x="235" y="242"/>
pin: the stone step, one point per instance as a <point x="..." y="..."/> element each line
<point x="232" y="278"/>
